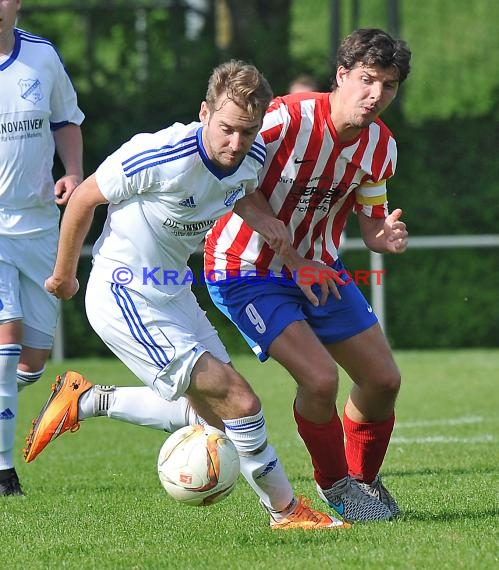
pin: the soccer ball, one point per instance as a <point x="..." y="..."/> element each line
<point x="198" y="465"/>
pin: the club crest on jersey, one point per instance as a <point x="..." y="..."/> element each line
<point x="232" y="195"/>
<point x="31" y="90"/>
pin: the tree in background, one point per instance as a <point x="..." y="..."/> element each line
<point x="259" y="32"/>
<point x="140" y="64"/>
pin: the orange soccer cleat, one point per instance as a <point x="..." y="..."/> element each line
<point x="307" y="518"/>
<point x="59" y="414"/>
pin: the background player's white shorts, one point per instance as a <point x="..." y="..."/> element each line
<point x="160" y="344"/>
<point x="25" y="263"/>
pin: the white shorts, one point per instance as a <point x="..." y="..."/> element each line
<point x="160" y="344"/>
<point x="25" y="263"/>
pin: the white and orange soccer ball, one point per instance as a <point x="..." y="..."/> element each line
<point x="198" y="465"/>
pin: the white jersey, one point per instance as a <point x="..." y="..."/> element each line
<point x="312" y="182"/>
<point x="164" y="195"/>
<point x="36" y="97"/>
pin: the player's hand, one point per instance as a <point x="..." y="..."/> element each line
<point x="62" y="289"/>
<point x="64" y="187"/>
<point x="394" y="233"/>
<point x="308" y="273"/>
<point x="275" y="234"/>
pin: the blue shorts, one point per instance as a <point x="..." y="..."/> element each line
<point x="262" y="308"/>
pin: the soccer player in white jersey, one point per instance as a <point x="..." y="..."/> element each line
<point x="327" y="154"/>
<point x="165" y="190"/>
<point x="38" y="115"/>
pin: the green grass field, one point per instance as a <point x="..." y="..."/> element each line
<point x="93" y="498"/>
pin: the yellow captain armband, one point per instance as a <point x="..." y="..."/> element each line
<point x="372" y="193"/>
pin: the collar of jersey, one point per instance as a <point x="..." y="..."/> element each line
<point x="215" y="170"/>
<point x="15" y="51"/>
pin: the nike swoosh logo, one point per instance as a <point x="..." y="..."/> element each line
<point x="298" y="161"/>
<point x="338" y="507"/>
<point x="58" y="429"/>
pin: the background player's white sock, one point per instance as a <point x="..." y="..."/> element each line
<point x="137" y="405"/>
<point x="25" y="379"/>
<point x="260" y="465"/>
<point x="9" y="359"/>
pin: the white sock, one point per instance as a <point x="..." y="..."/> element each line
<point x="9" y="359"/>
<point x="260" y="465"/>
<point x="27" y="378"/>
<point x="137" y="405"/>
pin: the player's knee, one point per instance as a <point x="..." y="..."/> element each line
<point x="320" y="383"/>
<point x="242" y="403"/>
<point x="324" y="389"/>
<point x="248" y="405"/>
<point x="241" y="397"/>
<point x="232" y="393"/>
<point x="389" y="382"/>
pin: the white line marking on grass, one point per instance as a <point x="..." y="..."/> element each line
<point x="487" y="438"/>
<point x="442" y="422"/>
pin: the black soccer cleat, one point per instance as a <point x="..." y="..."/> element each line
<point x="9" y="483"/>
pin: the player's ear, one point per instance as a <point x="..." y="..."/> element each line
<point x="341" y="73"/>
<point x="204" y="113"/>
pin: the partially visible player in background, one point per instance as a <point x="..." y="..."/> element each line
<point x="303" y="83"/>
<point x="38" y="107"/>
<point x="164" y="192"/>
<point x="327" y="154"/>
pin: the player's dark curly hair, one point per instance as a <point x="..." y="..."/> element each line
<point x="243" y="84"/>
<point x="373" y="47"/>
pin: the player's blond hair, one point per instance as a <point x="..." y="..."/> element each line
<point x="243" y="84"/>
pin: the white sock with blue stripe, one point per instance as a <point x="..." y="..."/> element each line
<point x="137" y="405"/>
<point x="28" y="378"/>
<point x="9" y="359"/>
<point x="260" y="465"/>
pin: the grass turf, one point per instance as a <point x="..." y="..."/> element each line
<point x="93" y="499"/>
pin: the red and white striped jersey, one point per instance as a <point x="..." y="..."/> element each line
<point x="312" y="182"/>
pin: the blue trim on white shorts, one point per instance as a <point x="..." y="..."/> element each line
<point x="137" y="328"/>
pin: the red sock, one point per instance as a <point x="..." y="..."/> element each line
<point x="326" y="447"/>
<point x="366" y="445"/>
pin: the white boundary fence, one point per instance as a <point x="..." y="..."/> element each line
<point x="376" y="264"/>
<point x="421" y="242"/>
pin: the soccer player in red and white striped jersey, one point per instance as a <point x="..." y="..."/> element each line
<point x="327" y="154"/>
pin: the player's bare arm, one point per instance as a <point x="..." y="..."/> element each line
<point x="388" y="235"/>
<point x="69" y="145"/>
<point x="256" y="212"/>
<point x="75" y="225"/>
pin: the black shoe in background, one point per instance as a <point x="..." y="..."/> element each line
<point x="9" y="483"/>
